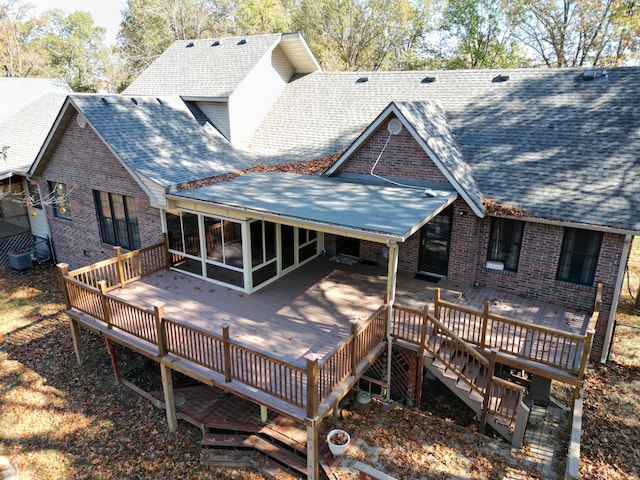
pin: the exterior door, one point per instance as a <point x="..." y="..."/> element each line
<point x="435" y="238"/>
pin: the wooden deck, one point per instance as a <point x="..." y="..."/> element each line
<point x="308" y="310"/>
<point x="524" y="309"/>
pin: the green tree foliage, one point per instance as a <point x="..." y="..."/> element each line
<point x="254" y="17"/>
<point x="570" y="33"/>
<point x="21" y="54"/>
<point x="76" y="50"/>
<point x="362" y="34"/>
<point x="479" y="34"/>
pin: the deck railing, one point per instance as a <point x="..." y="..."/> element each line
<point x="125" y="268"/>
<point x="500" y="397"/>
<point x="555" y="348"/>
<point x="88" y="290"/>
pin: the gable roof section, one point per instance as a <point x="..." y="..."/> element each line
<point x="162" y="139"/>
<point x="545" y="141"/>
<point x="372" y="212"/>
<point x="28" y="108"/>
<point x="428" y="125"/>
<point x="212" y="69"/>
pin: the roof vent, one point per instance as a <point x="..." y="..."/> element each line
<point x="500" y="78"/>
<point x="134" y="100"/>
<point x="589" y="75"/>
<point x="159" y="100"/>
<point x="242" y="42"/>
<point x="190" y="44"/>
<point x="428" y="79"/>
<point x="363" y="79"/>
<point x="108" y="100"/>
<point x="216" y="43"/>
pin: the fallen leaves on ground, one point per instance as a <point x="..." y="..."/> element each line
<point x="59" y="420"/>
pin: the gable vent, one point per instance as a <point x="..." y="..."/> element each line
<point x="190" y="44"/>
<point x="108" y="100"/>
<point x="242" y="42"/>
<point x="215" y="44"/>
<point x="428" y="79"/>
<point x="363" y="79"/>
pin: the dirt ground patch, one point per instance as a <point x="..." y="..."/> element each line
<point x="59" y="420"/>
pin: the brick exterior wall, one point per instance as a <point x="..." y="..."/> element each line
<point x="540" y="250"/>
<point x="84" y="163"/>
<point x="403" y="158"/>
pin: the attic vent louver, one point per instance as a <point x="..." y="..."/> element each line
<point x="108" y="100"/>
<point x="242" y="42"/>
<point x="363" y="79"/>
<point x="215" y="44"/>
<point x="500" y="78"/>
<point x="428" y="79"/>
<point x="190" y="44"/>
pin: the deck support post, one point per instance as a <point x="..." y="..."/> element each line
<point x="63" y="271"/>
<point x="436" y="303"/>
<point x="313" y="450"/>
<point x="114" y="360"/>
<point x="118" y="251"/>
<point x="312" y="384"/>
<point x="169" y="401"/>
<point x="392" y="275"/>
<point x="354" y="347"/>
<point x="421" y="348"/>
<point x="75" y="336"/>
<point x="264" y="414"/>
<point x="165" y="244"/>
<point x="485" y="323"/>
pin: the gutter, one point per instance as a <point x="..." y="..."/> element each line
<point x="616" y="296"/>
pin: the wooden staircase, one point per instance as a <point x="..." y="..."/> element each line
<point x="271" y="447"/>
<point x="469" y="374"/>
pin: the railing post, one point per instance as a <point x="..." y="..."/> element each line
<point x="586" y="353"/>
<point x="312" y="384"/>
<point x="354" y="346"/>
<point x="421" y="348"/>
<point x="158" y="310"/>
<point x="436" y="303"/>
<point x="165" y="248"/>
<point x="489" y="387"/>
<point x="485" y="323"/>
<point x="227" y="352"/>
<point x="63" y="270"/>
<point x="106" y="308"/>
<point x="120" y="268"/>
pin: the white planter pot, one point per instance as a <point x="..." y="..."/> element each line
<point x="337" y="450"/>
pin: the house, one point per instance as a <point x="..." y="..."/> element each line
<point x="253" y="163"/>
<point x="28" y="107"/>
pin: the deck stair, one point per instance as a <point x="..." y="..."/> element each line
<point x="469" y="375"/>
<point x="270" y="447"/>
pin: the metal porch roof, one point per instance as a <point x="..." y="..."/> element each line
<point x="374" y="212"/>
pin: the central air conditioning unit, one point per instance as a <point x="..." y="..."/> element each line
<point x="495" y="265"/>
<point x="20" y="261"/>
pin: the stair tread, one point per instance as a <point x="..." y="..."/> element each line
<point x="283" y="438"/>
<point x="255" y="442"/>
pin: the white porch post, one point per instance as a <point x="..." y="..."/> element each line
<point x="392" y="274"/>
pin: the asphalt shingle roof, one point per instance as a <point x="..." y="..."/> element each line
<point x="545" y="140"/>
<point x="203" y="70"/>
<point x="162" y="138"/>
<point x="28" y="108"/>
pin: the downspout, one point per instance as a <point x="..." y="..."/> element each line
<point x="616" y="296"/>
<point x="391" y="295"/>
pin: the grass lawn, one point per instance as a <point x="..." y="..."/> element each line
<point x="59" y="420"/>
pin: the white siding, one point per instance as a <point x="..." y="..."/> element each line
<point x="218" y="114"/>
<point x="38" y="223"/>
<point x="255" y="95"/>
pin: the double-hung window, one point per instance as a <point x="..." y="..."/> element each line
<point x="579" y="256"/>
<point x="505" y="242"/>
<point x="60" y="199"/>
<point x="118" y="219"/>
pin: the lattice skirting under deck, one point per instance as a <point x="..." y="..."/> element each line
<point x="23" y="241"/>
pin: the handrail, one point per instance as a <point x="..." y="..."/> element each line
<point x="123" y="268"/>
<point x="545" y="345"/>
